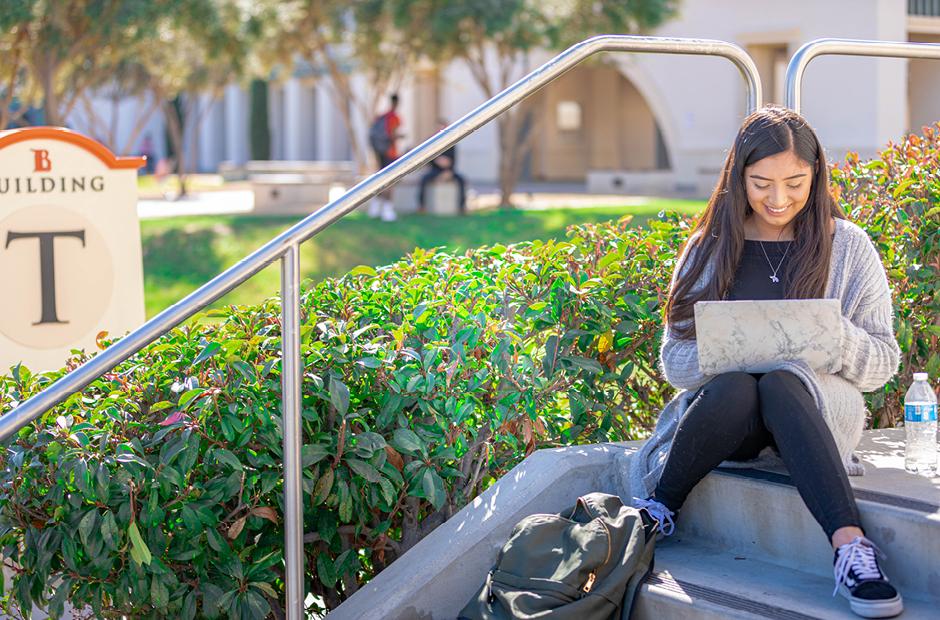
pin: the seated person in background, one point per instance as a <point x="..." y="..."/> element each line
<point x="443" y="167"/>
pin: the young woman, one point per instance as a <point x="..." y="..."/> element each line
<point x="773" y="231"/>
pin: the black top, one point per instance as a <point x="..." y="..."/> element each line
<point x="752" y="279"/>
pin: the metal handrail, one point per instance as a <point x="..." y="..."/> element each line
<point x="286" y="247"/>
<point x="847" y="47"/>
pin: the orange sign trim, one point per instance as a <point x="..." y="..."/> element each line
<point x="94" y="147"/>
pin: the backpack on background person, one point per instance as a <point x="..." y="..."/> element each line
<point x="379" y="138"/>
<point x="583" y="564"/>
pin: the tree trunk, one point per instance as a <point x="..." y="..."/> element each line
<point x="508" y="157"/>
<point x="517" y="131"/>
<point x="175" y="130"/>
<point x="343" y="96"/>
<point x="259" y="132"/>
<point x="50" y="103"/>
<point x="142" y="120"/>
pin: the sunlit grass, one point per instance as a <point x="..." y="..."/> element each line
<point x="180" y="254"/>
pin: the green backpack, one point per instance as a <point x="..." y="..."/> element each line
<point x="587" y="565"/>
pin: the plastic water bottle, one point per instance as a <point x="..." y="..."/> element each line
<point x="920" y="420"/>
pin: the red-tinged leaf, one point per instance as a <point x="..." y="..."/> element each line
<point x="395" y="458"/>
<point x="236" y="528"/>
<point x="265" y="512"/>
<point x="173" y="418"/>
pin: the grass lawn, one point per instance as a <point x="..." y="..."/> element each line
<point x="182" y="253"/>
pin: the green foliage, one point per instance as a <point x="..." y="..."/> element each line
<point x="896" y="198"/>
<point x="54" y="52"/>
<point x="157" y="491"/>
<point x="59" y="49"/>
<point x="258" y="129"/>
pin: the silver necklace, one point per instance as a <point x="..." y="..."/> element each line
<point x="773" y="274"/>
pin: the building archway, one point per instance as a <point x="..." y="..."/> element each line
<point x="591" y="120"/>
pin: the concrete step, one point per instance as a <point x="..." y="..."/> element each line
<point x="691" y="580"/>
<point x="760" y="514"/>
<point x="757" y="515"/>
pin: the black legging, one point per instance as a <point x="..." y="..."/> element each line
<point x="734" y="416"/>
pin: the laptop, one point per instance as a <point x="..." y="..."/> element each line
<point x="753" y="336"/>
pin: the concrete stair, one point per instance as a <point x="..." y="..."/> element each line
<point x="745" y="540"/>
<point x="778" y="528"/>
<point x="691" y="580"/>
<point x="745" y="545"/>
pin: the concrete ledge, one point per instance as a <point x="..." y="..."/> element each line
<point x="437" y="577"/>
<point x="443" y="197"/>
<point x="230" y="171"/>
<point x="631" y="182"/>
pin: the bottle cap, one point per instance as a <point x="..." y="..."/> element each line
<point x="920" y="376"/>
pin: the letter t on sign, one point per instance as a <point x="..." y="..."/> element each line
<point x="46" y="266"/>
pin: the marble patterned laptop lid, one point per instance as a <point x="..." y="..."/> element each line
<point x="751" y="336"/>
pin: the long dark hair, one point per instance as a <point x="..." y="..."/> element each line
<point x="720" y="228"/>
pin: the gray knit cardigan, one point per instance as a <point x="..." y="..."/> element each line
<point x="870" y="357"/>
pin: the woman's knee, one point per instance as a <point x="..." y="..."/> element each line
<point x="735" y="393"/>
<point x="780" y="383"/>
<point x="732" y="383"/>
<point x="783" y="395"/>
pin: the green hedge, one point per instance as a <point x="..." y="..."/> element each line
<point x="896" y="198"/>
<point x="157" y="491"/>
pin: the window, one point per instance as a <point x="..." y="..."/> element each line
<point x="568" y="115"/>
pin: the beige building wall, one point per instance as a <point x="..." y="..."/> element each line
<point x="562" y="153"/>
<point x="426" y="95"/>
<point x="592" y="118"/>
<point x="855" y="104"/>
<point x="924" y="83"/>
<point x="637" y="128"/>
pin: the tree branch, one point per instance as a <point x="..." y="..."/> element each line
<point x="5" y="112"/>
<point x="142" y="121"/>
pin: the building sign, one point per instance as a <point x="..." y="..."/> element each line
<point x="70" y="260"/>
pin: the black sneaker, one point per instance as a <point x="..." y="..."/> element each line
<point x="861" y="580"/>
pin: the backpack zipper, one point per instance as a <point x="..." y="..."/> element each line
<point x="590" y="583"/>
<point x="592" y="576"/>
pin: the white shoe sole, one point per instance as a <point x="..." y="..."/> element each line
<point x="886" y="608"/>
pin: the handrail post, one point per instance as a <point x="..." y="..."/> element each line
<point x="291" y="428"/>
<point x="847" y="47"/>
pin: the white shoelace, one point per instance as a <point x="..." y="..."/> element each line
<point x="658" y="512"/>
<point x="860" y="555"/>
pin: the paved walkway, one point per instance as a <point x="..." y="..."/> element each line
<point x="220" y="202"/>
<point x="535" y="197"/>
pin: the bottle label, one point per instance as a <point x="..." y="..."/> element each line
<point x="920" y="413"/>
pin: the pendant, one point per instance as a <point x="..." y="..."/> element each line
<point x="774" y="279"/>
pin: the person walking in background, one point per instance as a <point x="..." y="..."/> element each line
<point x="383" y="138"/>
<point x="443" y="167"/>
